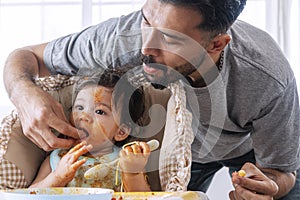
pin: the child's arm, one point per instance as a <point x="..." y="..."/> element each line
<point x="133" y="160"/>
<point x="65" y="170"/>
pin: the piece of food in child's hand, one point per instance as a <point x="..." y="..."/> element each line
<point x="242" y="173"/>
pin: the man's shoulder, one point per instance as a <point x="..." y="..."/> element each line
<point x="248" y="40"/>
<point x="123" y="25"/>
<point x="256" y="50"/>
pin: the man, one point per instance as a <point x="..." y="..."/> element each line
<point x="246" y="92"/>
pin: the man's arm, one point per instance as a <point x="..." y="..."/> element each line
<point x="261" y="183"/>
<point x="38" y="111"/>
<point x="284" y="180"/>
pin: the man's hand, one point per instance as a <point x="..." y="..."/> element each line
<point x="255" y="185"/>
<point x="38" y="111"/>
<point x="40" y="115"/>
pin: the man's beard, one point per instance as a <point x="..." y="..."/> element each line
<point x="167" y="74"/>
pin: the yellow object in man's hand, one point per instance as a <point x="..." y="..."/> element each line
<point x="242" y="173"/>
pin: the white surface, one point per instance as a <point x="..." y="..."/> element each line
<point x="58" y="194"/>
<point x="220" y="186"/>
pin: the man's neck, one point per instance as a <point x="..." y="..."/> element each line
<point x="207" y="72"/>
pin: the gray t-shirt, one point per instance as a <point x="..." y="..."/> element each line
<point x="253" y="104"/>
<point x="115" y="41"/>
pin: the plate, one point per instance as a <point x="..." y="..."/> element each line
<point x="59" y="193"/>
<point x="188" y="195"/>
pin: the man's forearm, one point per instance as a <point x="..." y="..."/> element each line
<point x="21" y="67"/>
<point x="285" y="181"/>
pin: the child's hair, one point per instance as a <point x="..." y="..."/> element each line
<point x="127" y="99"/>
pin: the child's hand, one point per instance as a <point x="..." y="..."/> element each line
<point x="133" y="158"/>
<point x="69" y="163"/>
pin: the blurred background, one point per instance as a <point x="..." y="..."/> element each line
<point x="27" y="22"/>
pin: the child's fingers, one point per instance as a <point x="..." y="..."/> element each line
<point x="128" y="150"/>
<point x="78" y="146"/>
<point x="84" y="149"/>
<point x="77" y="164"/>
<point x="145" y="147"/>
<point x="122" y="153"/>
<point x="136" y="149"/>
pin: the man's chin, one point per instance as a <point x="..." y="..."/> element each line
<point x="159" y="82"/>
<point x="162" y="78"/>
<point x="152" y="78"/>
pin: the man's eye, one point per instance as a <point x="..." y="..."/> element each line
<point x="145" y="22"/>
<point x="170" y="41"/>
<point x="100" y="112"/>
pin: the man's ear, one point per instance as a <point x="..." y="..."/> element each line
<point x="123" y="133"/>
<point x="218" y="43"/>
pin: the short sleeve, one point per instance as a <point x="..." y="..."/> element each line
<point x="276" y="132"/>
<point x="96" y="46"/>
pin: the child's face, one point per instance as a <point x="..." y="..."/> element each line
<point x="92" y="112"/>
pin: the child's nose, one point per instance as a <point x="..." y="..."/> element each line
<point x="85" y="117"/>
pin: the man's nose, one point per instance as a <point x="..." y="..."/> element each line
<point x="152" y="41"/>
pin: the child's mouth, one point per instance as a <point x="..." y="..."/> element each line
<point x="85" y="131"/>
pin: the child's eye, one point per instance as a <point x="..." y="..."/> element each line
<point x="100" y="112"/>
<point x="79" y="107"/>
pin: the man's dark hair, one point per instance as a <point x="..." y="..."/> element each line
<point x="218" y="15"/>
